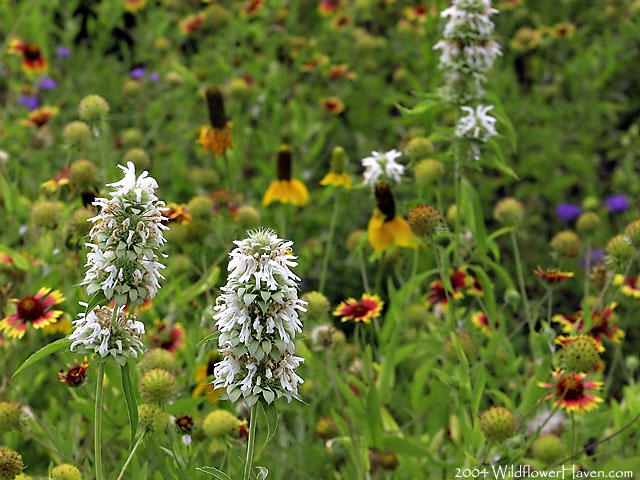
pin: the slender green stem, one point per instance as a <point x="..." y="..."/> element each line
<point x="363" y="272"/>
<point x="227" y="172"/>
<point x="523" y="288"/>
<point x="131" y="454"/>
<point x="98" y="419"/>
<point x="587" y="269"/>
<point x="253" y="423"/>
<point x="457" y="180"/>
<point x="550" y="304"/>
<point x="414" y="271"/>
<point x="573" y="433"/>
<point x="282" y="213"/>
<point x="328" y="246"/>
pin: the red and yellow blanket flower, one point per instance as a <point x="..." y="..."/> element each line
<point x="363" y="310"/>
<point x="602" y="324"/>
<point x="629" y="286"/>
<point x="32" y="59"/>
<point x="34" y="310"/>
<point x="570" y="391"/>
<point x="552" y="276"/>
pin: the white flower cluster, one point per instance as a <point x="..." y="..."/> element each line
<point x="99" y="332"/>
<point x="476" y="124"/>
<point x="127" y="236"/>
<point x="257" y="317"/>
<point x="468" y="50"/>
<point x="382" y="164"/>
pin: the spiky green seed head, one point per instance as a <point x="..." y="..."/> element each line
<point x="588" y="222"/>
<point x="159" y="358"/>
<point x="76" y="133"/>
<point x="419" y="147"/>
<point x="10" y="464"/>
<point x="83" y="173"/>
<point x="498" y="423"/>
<point x="591" y="203"/>
<point x="620" y="248"/>
<point x="93" y="108"/>
<point x="11" y="416"/>
<point x="131" y="137"/>
<point x="428" y="171"/>
<point x="318" y="306"/>
<point x="201" y="207"/>
<point x="131" y="88"/>
<point x="66" y="472"/>
<point x="580" y="354"/>
<point x="221" y="423"/>
<point x="158" y="386"/>
<point x="566" y="243"/>
<point x="139" y="157"/>
<point x="46" y="214"/>
<point x="633" y="232"/>
<point x="152" y="418"/>
<point x="248" y="217"/>
<point x="548" y="448"/>
<point x="509" y="212"/>
<point x="423" y="220"/>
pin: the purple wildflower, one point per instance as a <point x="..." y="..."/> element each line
<point x="568" y="211"/>
<point x="48" y="84"/>
<point x="63" y="52"/>
<point x="154" y="77"/>
<point x="137" y="72"/>
<point x="31" y="102"/>
<point x="617" y="203"/>
<point x="595" y="256"/>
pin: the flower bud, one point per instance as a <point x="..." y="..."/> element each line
<point x="83" y="173"/>
<point x="580" y="354"/>
<point x="131" y="88"/>
<point x="66" y="472"/>
<point x="201" y="207"/>
<point x="588" y="222"/>
<point x="620" y="248"/>
<point x="423" y="220"/>
<point x="159" y="358"/>
<point x="418" y="147"/>
<point x="632" y="362"/>
<point x="498" y="423"/>
<point x="591" y="203"/>
<point x="509" y="211"/>
<point x="138" y="157"/>
<point x="46" y="214"/>
<point x="548" y="448"/>
<point x="633" y="232"/>
<point x="158" y="386"/>
<point x="318" y="306"/>
<point x="355" y="239"/>
<point x="152" y="418"/>
<point x="93" y="108"/>
<point x="512" y="298"/>
<point x="76" y="133"/>
<point x="131" y="137"/>
<point x="11" y="416"/>
<point x="566" y="243"/>
<point x="220" y="423"/>
<point x="326" y="428"/>
<point x="428" y="171"/>
<point x="248" y="217"/>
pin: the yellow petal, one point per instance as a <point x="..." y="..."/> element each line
<point x="402" y="234"/>
<point x="380" y="237"/>
<point x="299" y="195"/>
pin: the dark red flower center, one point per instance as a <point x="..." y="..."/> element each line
<point x="359" y="310"/>
<point x="32" y="52"/>
<point x="30" y="309"/>
<point x="573" y="386"/>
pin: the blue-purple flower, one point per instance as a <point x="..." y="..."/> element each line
<point x="137" y="73"/>
<point x="48" y="83"/>
<point x="31" y="102"/>
<point x="63" y="52"/>
<point x="568" y="211"/>
<point x="617" y="203"/>
<point x="595" y="256"/>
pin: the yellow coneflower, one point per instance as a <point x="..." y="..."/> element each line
<point x="61" y="325"/>
<point x="337" y="177"/>
<point x="216" y="137"/>
<point x="286" y="189"/>
<point x="385" y="227"/>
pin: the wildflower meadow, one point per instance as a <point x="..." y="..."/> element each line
<point x="319" y="239"/>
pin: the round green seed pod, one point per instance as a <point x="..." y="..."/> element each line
<point x="588" y="222"/>
<point x="419" y="147"/>
<point x="498" y="423"/>
<point x="548" y="448"/>
<point x="11" y="416"/>
<point x="428" y="171"/>
<point x="93" y="108"/>
<point x="318" y="306"/>
<point x="152" y="418"/>
<point x="248" y="217"/>
<point x="10" y="464"/>
<point x="158" y="386"/>
<point x="633" y="232"/>
<point x="46" y="214"/>
<point x="621" y="248"/>
<point x="220" y="423"/>
<point x="83" y="173"/>
<point x="159" y="358"/>
<point x="509" y="211"/>
<point x="138" y="157"/>
<point x="580" y="354"/>
<point x="566" y="243"/>
<point x="76" y="133"/>
<point x="201" y="207"/>
<point x="66" y="472"/>
<point x="423" y="220"/>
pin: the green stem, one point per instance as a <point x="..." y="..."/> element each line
<point x="329" y="244"/>
<point x="253" y="423"/>
<point x="573" y="433"/>
<point x="414" y="271"/>
<point x="133" y="451"/>
<point x="282" y="213"/>
<point x="363" y="272"/>
<point x="98" y="419"/>
<point x="523" y="289"/>
<point x="227" y="172"/>
<point x="457" y="179"/>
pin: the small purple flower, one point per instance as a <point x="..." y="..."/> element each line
<point x="154" y="77"/>
<point x="137" y="72"/>
<point x="617" y="203"/>
<point x="568" y="211"/>
<point x="31" y="102"/>
<point x="595" y="256"/>
<point x="63" y="52"/>
<point x="48" y="84"/>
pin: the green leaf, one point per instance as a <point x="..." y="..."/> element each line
<point x="44" y="352"/>
<point x="19" y="261"/>
<point x="130" y="399"/>
<point x="214" y="472"/>
<point x="475" y="216"/>
<point x="209" y="338"/>
<point x="373" y="416"/>
<point x="271" y="414"/>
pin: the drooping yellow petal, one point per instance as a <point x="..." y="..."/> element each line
<point x="336" y="180"/>
<point x="380" y="237"/>
<point x="402" y="234"/>
<point x="273" y="193"/>
<point x="299" y="195"/>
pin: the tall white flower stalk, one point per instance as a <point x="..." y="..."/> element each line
<point x="468" y="52"/>
<point x="123" y="265"/>
<point x="257" y="317"/>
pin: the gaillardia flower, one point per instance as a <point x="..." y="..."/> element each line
<point x="385" y="227"/>
<point x="552" y="276"/>
<point x="363" y="310"/>
<point x="333" y="105"/>
<point x="39" y="117"/>
<point x="257" y="317"/>
<point x="75" y="376"/>
<point x="629" y="286"/>
<point x="168" y="337"/>
<point x="570" y="391"/>
<point x="216" y="137"/>
<point x="32" y="59"/>
<point x="601" y="324"/>
<point x="285" y="189"/>
<point x="35" y="310"/>
<point x="461" y="282"/>
<point x="337" y="176"/>
<point x="480" y="320"/>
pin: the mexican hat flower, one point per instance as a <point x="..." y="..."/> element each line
<point x="32" y="59"/>
<point x="602" y="324"/>
<point x="571" y="391"/>
<point x="257" y="317"/>
<point x="363" y="310"/>
<point x="285" y="189"/>
<point x="34" y="310"/>
<point x="337" y="176"/>
<point x="385" y="227"/>
<point x="216" y="137"/>
<point x="204" y="386"/>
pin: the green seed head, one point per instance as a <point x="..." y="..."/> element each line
<point x="248" y="217"/>
<point x="580" y="354"/>
<point x="318" y="306"/>
<point x="152" y="418"/>
<point x="46" y="214"/>
<point x="83" y="173"/>
<point x="93" y="108"/>
<point x="548" y="448"/>
<point x="633" y="232"/>
<point x="10" y="464"/>
<point x="509" y="211"/>
<point x="66" y="472"/>
<point x="428" y="171"/>
<point x="423" y="220"/>
<point x="76" y="133"/>
<point x="566" y="243"/>
<point x="620" y="248"/>
<point x="159" y="358"/>
<point x="419" y="147"/>
<point x="201" y="207"/>
<point x="11" y="416"/>
<point x="138" y="157"/>
<point x="588" y="222"/>
<point x="498" y="423"/>
<point x="220" y="423"/>
<point x="158" y="386"/>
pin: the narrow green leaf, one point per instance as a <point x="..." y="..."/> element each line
<point x="44" y="352"/>
<point x="130" y="399"/>
<point x="271" y="414"/>
<point x="214" y="472"/>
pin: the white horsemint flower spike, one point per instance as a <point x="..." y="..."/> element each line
<point x="381" y="164"/>
<point x="257" y="317"/>
<point x="127" y="235"/>
<point x="477" y="124"/>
